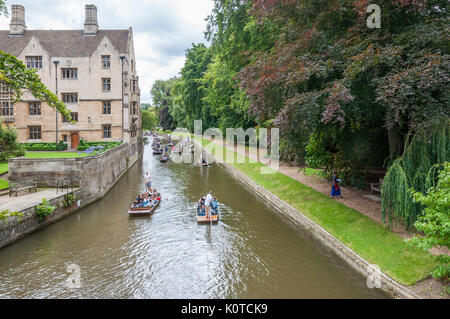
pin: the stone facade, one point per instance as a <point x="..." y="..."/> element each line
<point x="97" y="56"/>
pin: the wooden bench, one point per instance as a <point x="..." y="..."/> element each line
<point x="376" y="186"/>
<point x="28" y="184"/>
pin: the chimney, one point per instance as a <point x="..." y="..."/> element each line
<point x="91" y="24"/>
<point x="17" y="25"/>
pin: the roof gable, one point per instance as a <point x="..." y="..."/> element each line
<point x="65" y="43"/>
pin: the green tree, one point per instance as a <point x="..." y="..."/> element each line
<point x="149" y="119"/>
<point x="434" y="224"/>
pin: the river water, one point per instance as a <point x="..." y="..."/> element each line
<point x="250" y="253"/>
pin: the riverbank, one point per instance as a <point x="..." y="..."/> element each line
<point x="362" y="237"/>
<point x="92" y="177"/>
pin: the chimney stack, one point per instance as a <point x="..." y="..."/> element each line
<point x="91" y="24"/>
<point x="17" y="25"/>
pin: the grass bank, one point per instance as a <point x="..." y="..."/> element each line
<point x="3" y="168"/>
<point x="55" y="154"/>
<point x="370" y="240"/>
<point x="3" y="184"/>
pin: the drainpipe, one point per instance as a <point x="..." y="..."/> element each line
<point x="56" y="110"/>
<point x="122" y="58"/>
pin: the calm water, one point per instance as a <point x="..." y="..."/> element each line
<point x="251" y="253"/>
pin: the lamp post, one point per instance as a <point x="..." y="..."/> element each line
<point x="56" y="110"/>
<point x="122" y="58"/>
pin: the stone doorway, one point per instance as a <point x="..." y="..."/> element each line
<point x="74" y="140"/>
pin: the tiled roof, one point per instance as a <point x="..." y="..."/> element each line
<point x="65" y="43"/>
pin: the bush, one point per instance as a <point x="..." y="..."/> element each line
<point x="44" y="209"/>
<point x="9" y="147"/>
<point x="45" y="147"/>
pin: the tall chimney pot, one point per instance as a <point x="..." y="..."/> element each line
<point x="91" y="23"/>
<point x="17" y="25"/>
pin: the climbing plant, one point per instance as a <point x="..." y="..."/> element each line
<point x="418" y="169"/>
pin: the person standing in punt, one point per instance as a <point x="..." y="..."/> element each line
<point x="208" y="201"/>
<point x="148" y="182"/>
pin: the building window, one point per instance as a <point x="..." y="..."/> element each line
<point x="106" y="61"/>
<point x="134" y="108"/>
<point x="65" y="138"/>
<point x="106" y="131"/>
<point x="6" y="91"/>
<point x="106" y="83"/>
<point x="69" y="73"/>
<point x="34" y="132"/>
<point x="134" y="86"/>
<point x="70" y="98"/>
<point x="7" y="108"/>
<point x="107" y="107"/>
<point x="73" y="115"/>
<point x="34" y="62"/>
<point x="34" y="108"/>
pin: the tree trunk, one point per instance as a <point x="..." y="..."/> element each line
<point x="395" y="140"/>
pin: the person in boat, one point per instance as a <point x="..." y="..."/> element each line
<point x="208" y="201"/>
<point x="138" y="201"/>
<point x="214" y="206"/>
<point x="148" y="182"/>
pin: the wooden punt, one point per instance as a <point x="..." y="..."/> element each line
<point x="157" y="152"/>
<point x="142" y="211"/>
<point x="164" y="159"/>
<point x="204" y="219"/>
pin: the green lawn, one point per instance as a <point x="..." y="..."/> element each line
<point x="3" y="168"/>
<point x="55" y="154"/>
<point x="367" y="238"/>
<point x="3" y="184"/>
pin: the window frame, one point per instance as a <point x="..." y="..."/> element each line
<point x="69" y="71"/>
<point x="73" y="115"/>
<point x="106" y="61"/>
<point x="104" y="126"/>
<point x="106" y="81"/>
<point x="9" y="110"/>
<point x="33" y="62"/>
<point x="106" y="105"/>
<point x="32" y="108"/>
<point x="31" y="134"/>
<point x="63" y="95"/>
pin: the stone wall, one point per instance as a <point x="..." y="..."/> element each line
<point x="94" y="174"/>
<point x="15" y="228"/>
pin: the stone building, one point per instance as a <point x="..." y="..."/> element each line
<point x="92" y="70"/>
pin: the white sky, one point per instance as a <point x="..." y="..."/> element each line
<point x="163" y="29"/>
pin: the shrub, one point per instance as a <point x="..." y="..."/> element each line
<point x="434" y="224"/>
<point x="44" y="209"/>
<point x="5" y="214"/>
<point x="68" y="200"/>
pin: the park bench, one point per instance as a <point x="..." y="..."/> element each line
<point x="376" y="186"/>
<point x="27" y="184"/>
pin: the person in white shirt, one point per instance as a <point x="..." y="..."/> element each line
<point x="148" y="182"/>
<point x="208" y="201"/>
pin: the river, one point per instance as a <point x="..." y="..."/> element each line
<point x="250" y="253"/>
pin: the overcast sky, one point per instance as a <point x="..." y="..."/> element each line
<point x="163" y="29"/>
